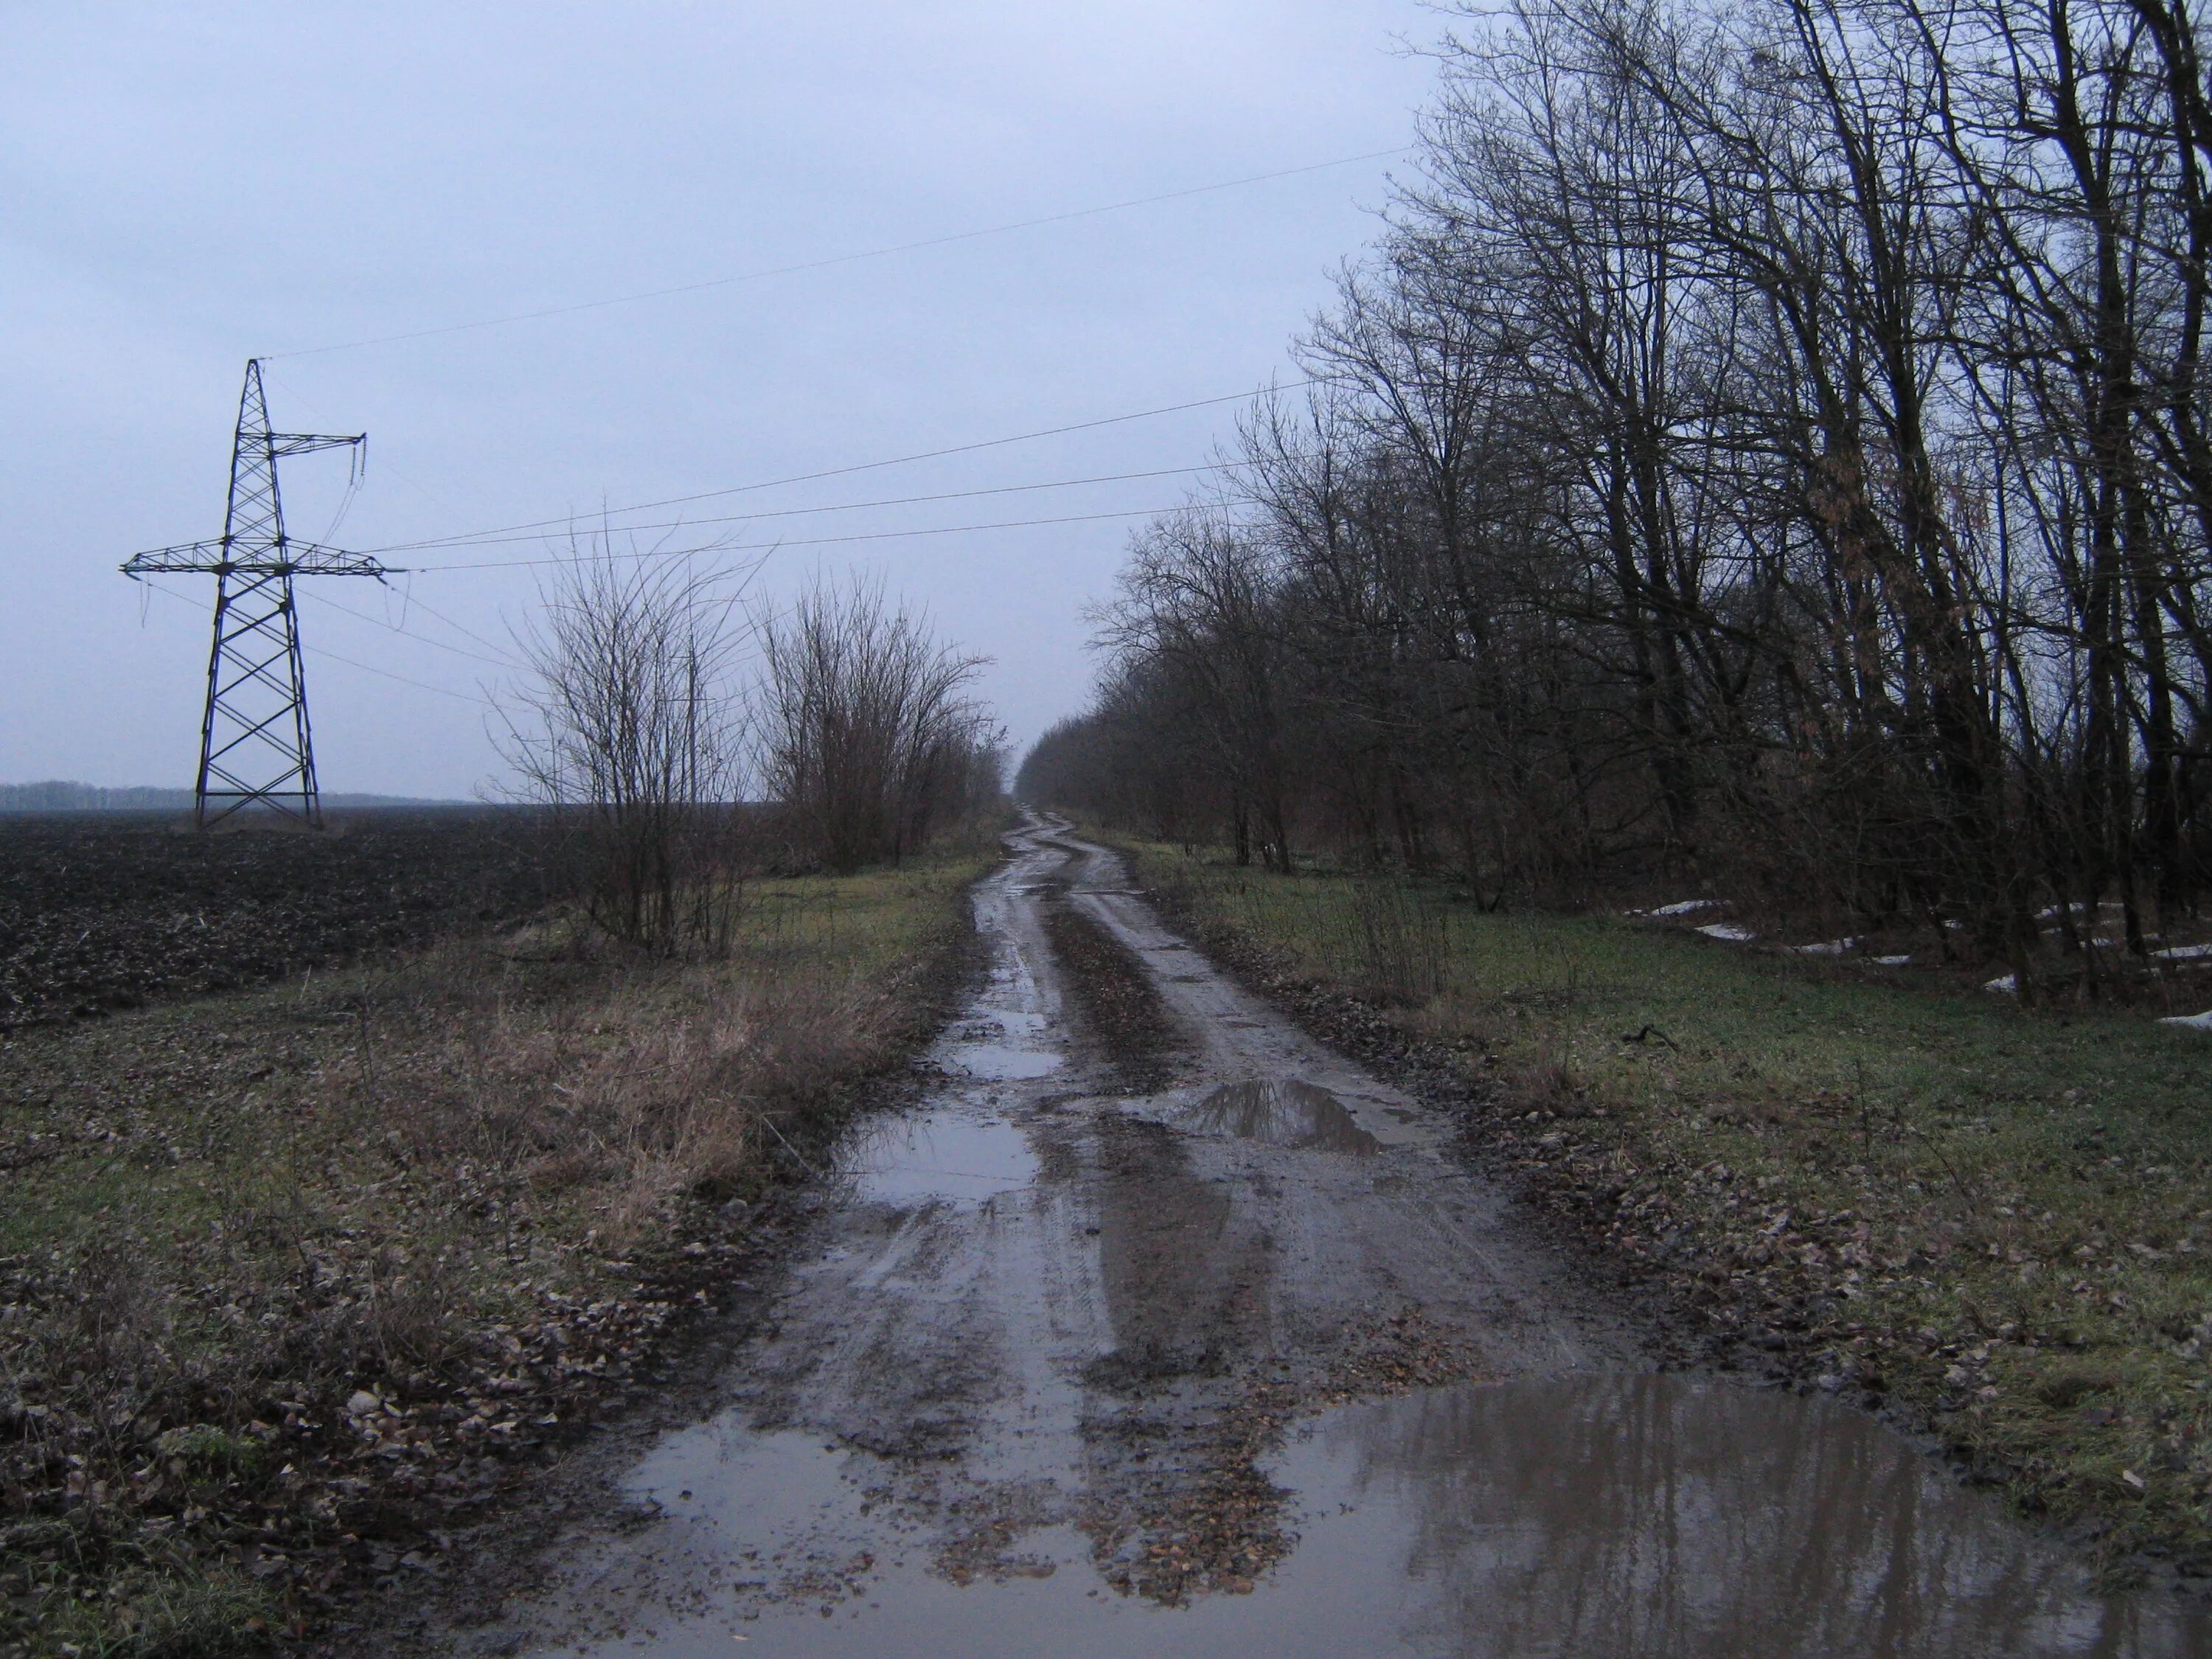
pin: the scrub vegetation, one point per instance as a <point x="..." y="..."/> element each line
<point x="1995" y="1223"/>
<point x="295" y="1283"/>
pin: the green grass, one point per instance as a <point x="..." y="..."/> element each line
<point x="868" y="924"/>
<point x="1999" y="1220"/>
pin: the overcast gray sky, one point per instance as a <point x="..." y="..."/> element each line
<point x="183" y="187"/>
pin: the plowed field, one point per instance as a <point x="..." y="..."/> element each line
<point x="105" y="911"/>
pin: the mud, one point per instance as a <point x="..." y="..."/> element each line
<point x="1119" y="1007"/>
<point x="1251" y="1362"/>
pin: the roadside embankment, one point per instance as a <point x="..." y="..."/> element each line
<point x="1994" y="1224"/>
<point x="296" y="1284"/>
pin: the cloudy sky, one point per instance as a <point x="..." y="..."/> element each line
<point x="182" y="188"/>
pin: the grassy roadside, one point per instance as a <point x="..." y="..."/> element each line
<point x="294" y="1282"/>
<point x="1996" y="1224"/>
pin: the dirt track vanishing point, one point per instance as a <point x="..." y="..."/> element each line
<point x="1253" y="1362"/>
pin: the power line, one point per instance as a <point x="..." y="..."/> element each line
<point x="367" y="668"/>
<point x="501" y="659"/>
<point x="490" y="539"/>
<point x="815" y="541"/>
<point x="835" y="259"/>
<point x="836" y="472"/>
<point x="419" y="685"/>
<point x="419" y="639"/>
<point x="409" y="597"/>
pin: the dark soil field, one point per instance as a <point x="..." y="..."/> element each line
<point x="103" y="911"/>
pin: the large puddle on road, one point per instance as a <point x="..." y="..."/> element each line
<point x="1283" y="1114"/>
<point x="1575" y="1518"/>
<point x="955" y="1154"/>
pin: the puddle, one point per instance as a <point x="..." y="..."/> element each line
<point x="1283" y="1114"/>
<point x="952" y="1154"/>
<point x="999" y="1062"/>
<point x="1661" y="1515"/>
<point x="1574" y="1518"/>
<point x="721" y="1489"/>
<point x="1001" y="1046"/>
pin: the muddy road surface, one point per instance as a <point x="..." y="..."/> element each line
<point x="1251" y="1362"/>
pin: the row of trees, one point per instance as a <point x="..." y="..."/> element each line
<point x="1769" y="437"/>
<point x="678" y="744"/>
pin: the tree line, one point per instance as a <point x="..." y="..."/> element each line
<point x="1767" y="440"/>
<point x="678" y="745"/>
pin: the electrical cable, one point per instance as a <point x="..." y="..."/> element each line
<point x="835" y="259"/>
<point x="836" y="472"/>
<point x="419" y="685"/>
<point x="366" y="668"/>
<point x="419" y="639"/>
<point x="495" y="539"/>
<point x="814" y="541"/>
<point x="412" y="599"/>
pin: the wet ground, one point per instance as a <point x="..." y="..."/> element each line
<point x="1251" y="1364"/>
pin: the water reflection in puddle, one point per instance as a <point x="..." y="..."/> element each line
<point x="1283" y="1114"/>
<point x="954" y="1155"/>
<point x="1582" y="1518"/>
<point x="1662" y="1515"/>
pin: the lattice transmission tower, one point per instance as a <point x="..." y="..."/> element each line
<point x="255" y="748"/>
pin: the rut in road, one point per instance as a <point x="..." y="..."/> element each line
<point x="1250" y="1362"/>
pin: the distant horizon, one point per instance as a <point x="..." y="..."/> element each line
<point x="68" y="795"/>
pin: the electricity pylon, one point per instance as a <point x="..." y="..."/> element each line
<point x="255" y="744"/>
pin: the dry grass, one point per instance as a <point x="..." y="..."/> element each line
<point x="290" y="1280"/>
<point x="1996" y="1222"/>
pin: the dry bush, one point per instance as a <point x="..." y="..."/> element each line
<point x="636" y="1082"/>
<point x="113" y="1316"/>
<point x="870" y="742"/>
<point x="628" y="731"/>
<point x="1404" y="941"/>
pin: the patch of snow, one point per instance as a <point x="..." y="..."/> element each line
<point x="1685" y="908"/>
<point x="1728" y="930"/>
<point x="2184" y="953"/>
<point x="2195" y="1022"/>
<point x="1892" y="962"/>
<point x="2005" y="983"/>
<point x="1834" y="947"/>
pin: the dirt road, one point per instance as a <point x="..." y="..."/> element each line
<point x="1251" y="1363"/>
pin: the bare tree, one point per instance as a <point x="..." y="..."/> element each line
<point x="869" y="739"/>
<point x="629" y="731"/>
<point x="1768" y="438"/>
